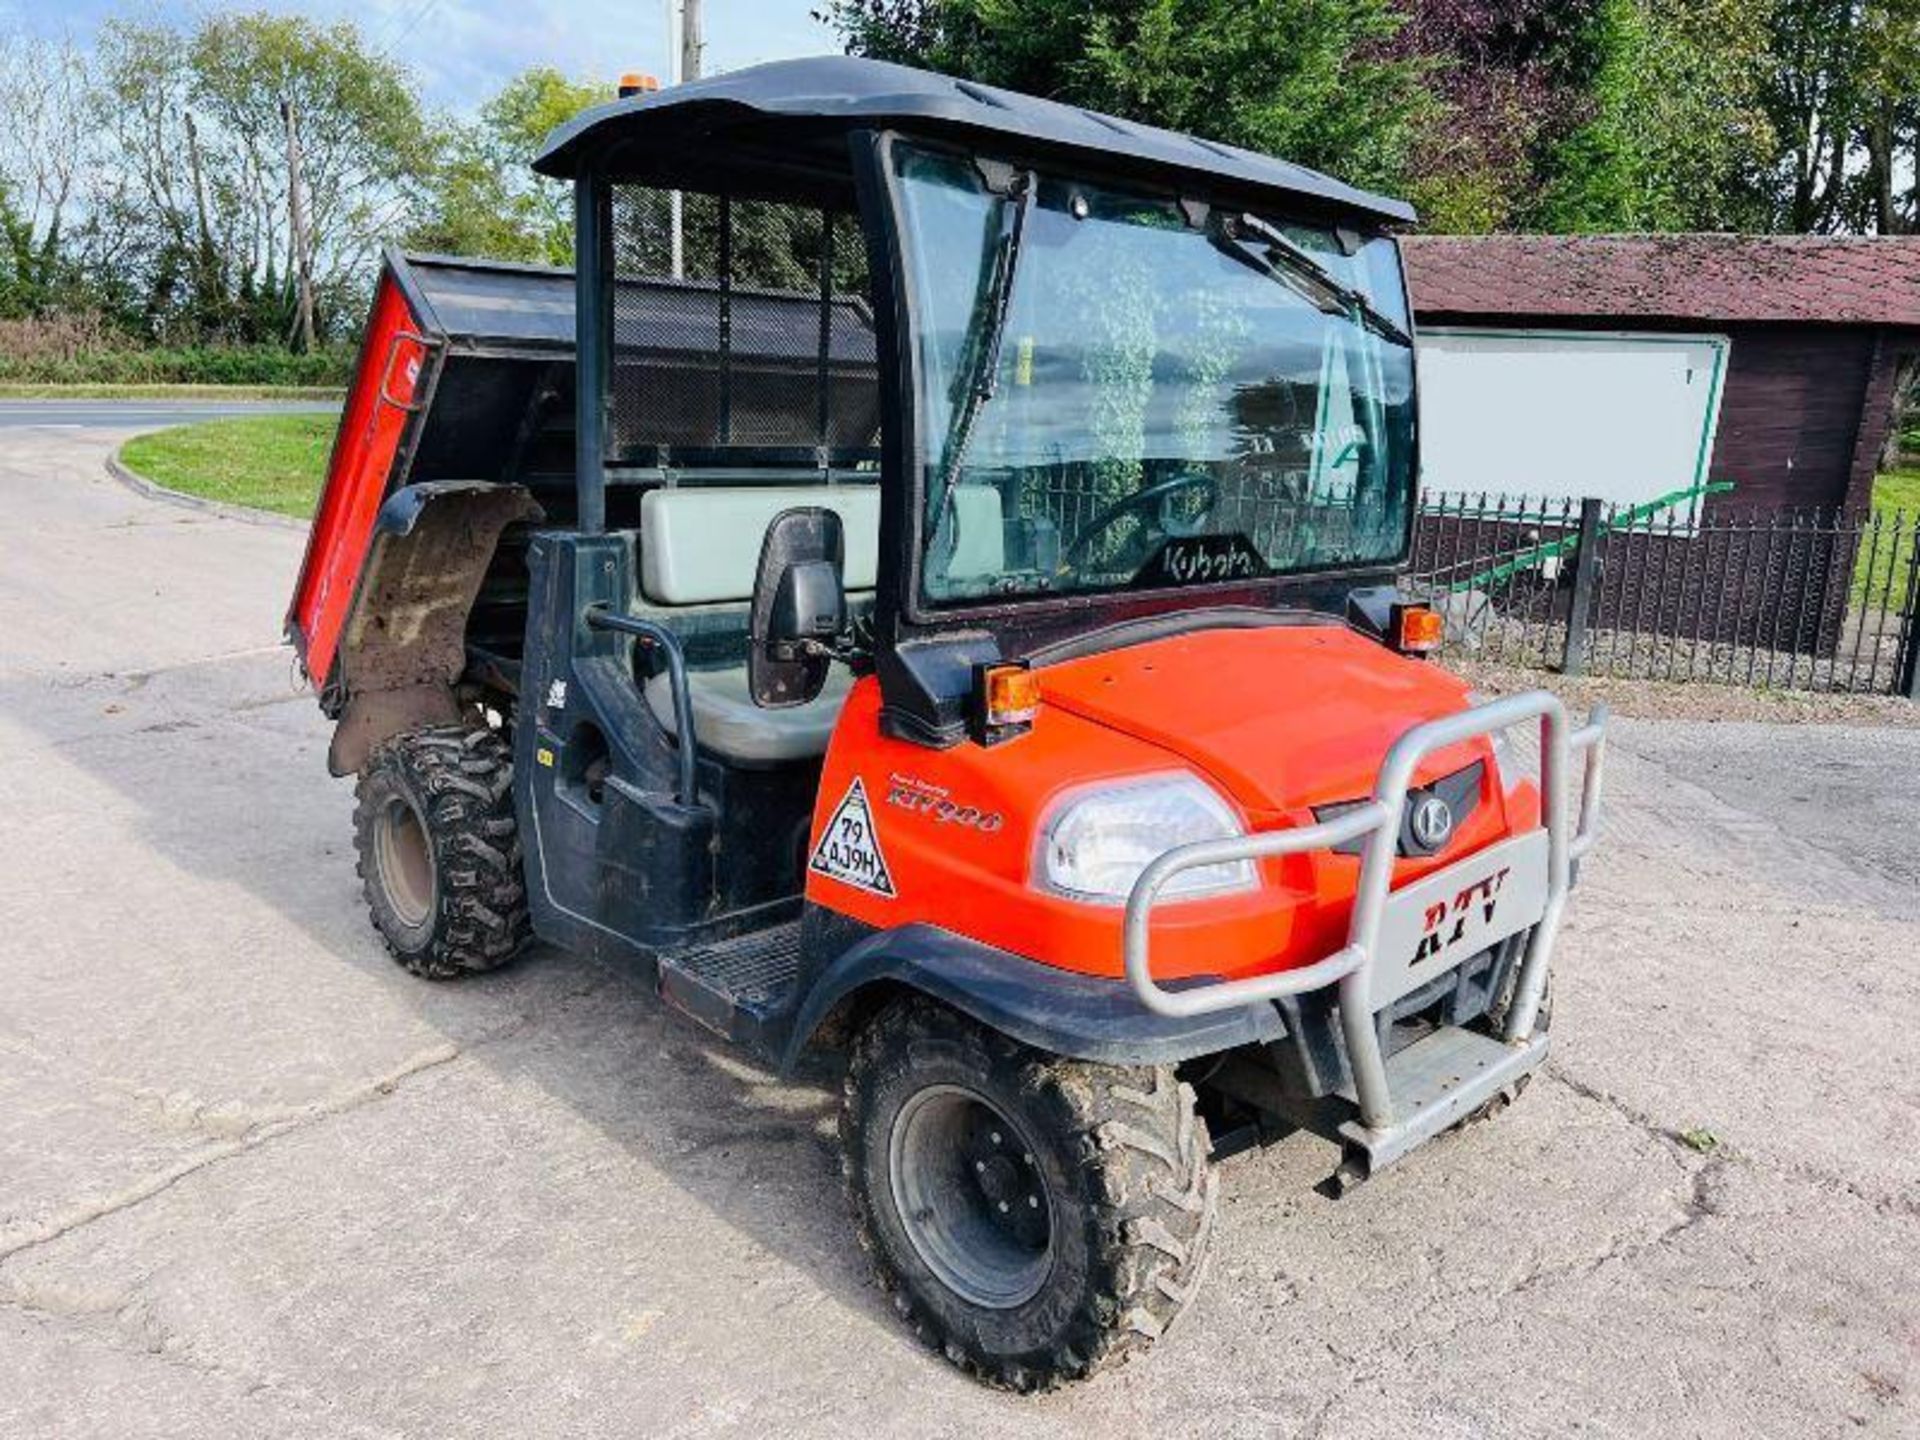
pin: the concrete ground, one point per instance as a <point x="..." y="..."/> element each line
<point x="256" y="1181"/>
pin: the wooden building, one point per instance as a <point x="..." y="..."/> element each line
<point x="1821" y="331"/>
<point x="1770" y="363"/>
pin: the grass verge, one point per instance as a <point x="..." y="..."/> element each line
<point x="1898" y="490"/>
<point x="270" y="462"/>
<point x="20" y="391"/>
<point x="1880" y="571"/>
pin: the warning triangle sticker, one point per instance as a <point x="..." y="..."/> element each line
<point x="849" y="848"/>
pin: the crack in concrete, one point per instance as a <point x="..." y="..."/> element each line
<point x="110" y="1330"/>
<point x="1638" y="1118"/>
<point x="1479" y="1309"/>
<point x="262" y="1126"/>
<point x="296" y="1119"/>
<point x="1699" y="1202"/>
<point x="131" y="681"/>
<point x="1700" y="1205"/>
<point x="1902" y="1205"/>
<point x="127" y="1322"/>
<point x="234" y="1120"/>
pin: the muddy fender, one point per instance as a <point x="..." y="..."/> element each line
<point x="405" y="640"/>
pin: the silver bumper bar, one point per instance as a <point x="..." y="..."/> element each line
<point x="1376" y="824"/>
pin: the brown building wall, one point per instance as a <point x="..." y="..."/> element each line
<point x="1791" y="415"/>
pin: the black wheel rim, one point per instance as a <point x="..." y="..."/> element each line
<point x="405" y="861"/>
<point x="971" y="1197"/>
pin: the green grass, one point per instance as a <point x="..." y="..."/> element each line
<point x="1897" y="492"/>
<point x="14" y="390"/>
<point x="270" y="462"/>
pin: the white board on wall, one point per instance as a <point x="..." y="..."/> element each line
<point x="1626" y="417"/>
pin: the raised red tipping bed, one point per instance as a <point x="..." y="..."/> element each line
<point x="373" y="425"/>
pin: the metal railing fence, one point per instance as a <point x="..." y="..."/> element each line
<point x="1791" y="598"/>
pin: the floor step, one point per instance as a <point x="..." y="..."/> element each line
<point x="1435" y="1083"/>
<point x="734" y="987"/>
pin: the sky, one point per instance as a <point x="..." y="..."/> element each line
<point x="462" y="50"/>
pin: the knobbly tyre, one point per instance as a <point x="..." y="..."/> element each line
<point x="921" y="588"/>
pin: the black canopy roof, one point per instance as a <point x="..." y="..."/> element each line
<point x="748" y="119"/>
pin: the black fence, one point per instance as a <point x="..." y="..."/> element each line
<point x="1796" y="599"/>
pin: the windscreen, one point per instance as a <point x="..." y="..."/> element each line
<point x="1122" y="391"/>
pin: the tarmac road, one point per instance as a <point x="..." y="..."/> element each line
<point x="137" y="414"/>
<point x="256" y="1181"/>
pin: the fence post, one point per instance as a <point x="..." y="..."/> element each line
<point x="1586" y="566"/>
<point x="1910" y="625"/>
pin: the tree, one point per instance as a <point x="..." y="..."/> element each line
<point x="1310" y="80"/>
<point x="483" y="198"/>
<point x="1505" y="74"/>
<point x="1490" y="114"/>
<point x="1813" y="98"/>
<point x="1889" y="48"/>
<point x="41" y="88"/>
<point x="189" y="232"/>
<point x="361" y="139"/>
<point x="1677" y="131"/>
<point x="1844" y="97"/>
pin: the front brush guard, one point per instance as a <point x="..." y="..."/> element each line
<point x="1444" y="1078"/>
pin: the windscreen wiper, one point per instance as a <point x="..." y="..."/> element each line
<point x="1286" y="262"/>
<point x="979" y="374"/>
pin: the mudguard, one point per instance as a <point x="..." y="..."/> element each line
<point x="1061" y="1012"/>
<point x="405" y="638"/>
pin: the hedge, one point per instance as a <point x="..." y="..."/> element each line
<point x="230" y="365"/>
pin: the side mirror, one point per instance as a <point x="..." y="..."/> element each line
<point x="799" y="607"/>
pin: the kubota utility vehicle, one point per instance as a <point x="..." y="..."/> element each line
<point x="922" y="588"/>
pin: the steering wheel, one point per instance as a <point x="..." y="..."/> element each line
<point x="1155" y="498"/>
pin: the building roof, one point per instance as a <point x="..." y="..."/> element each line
<point x="705" y="122"/>
<point x="1815" y="279"/>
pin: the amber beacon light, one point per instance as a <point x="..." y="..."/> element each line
<point x="1417" y="629"/>
<point x="1006" y="700"/>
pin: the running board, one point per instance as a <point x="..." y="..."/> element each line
<point x="1436" y="1082"/>
<point x="736" y="987"/>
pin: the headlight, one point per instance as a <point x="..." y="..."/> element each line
<point x="1097" y="843"/>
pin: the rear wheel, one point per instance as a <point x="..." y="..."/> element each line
<point x="439" y="851"/>
<point x="1035" y="1219"/>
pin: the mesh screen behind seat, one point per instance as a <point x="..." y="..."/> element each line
<point x="757" y="344"/>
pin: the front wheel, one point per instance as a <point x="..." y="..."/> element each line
<point x="1036" y="1219"/>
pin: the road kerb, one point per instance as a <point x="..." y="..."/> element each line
<point x="142" y="486"/>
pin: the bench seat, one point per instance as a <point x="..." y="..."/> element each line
<point x="727" y="722"/>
